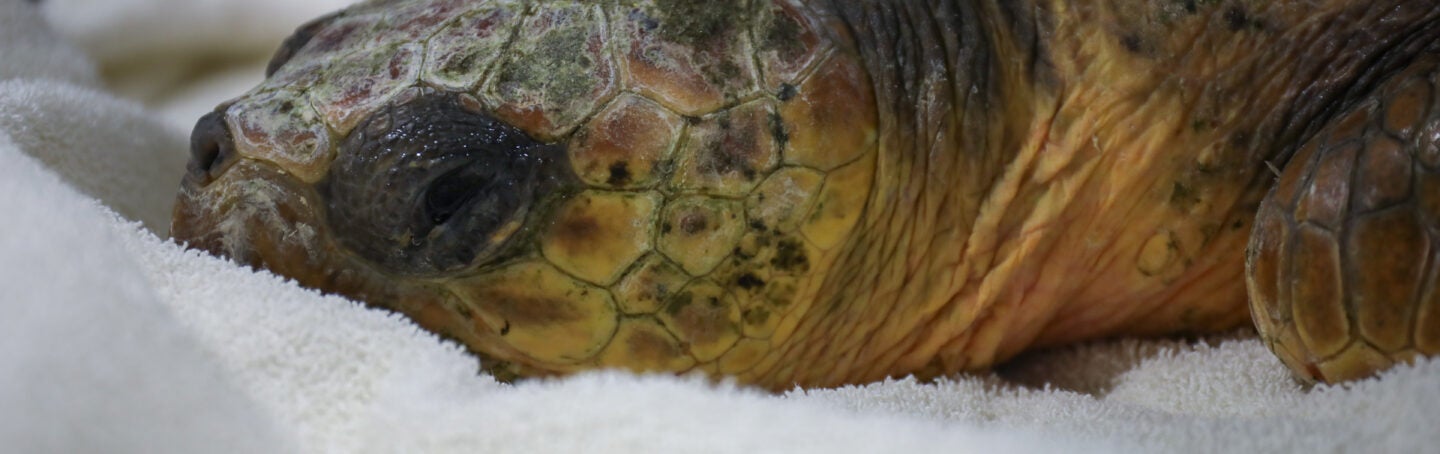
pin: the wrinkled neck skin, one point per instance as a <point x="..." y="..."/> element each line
<point x="1051" y="172"/>
<point x="944" y="143"/>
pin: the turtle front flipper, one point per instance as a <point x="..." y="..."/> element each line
<point x="1342" y="265"/>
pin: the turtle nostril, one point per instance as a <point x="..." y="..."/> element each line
<point x="211" y="145"/>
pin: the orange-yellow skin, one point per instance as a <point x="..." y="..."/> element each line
<point x="792" y="217"/>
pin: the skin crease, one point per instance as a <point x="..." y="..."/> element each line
<point x="876" y="189"/>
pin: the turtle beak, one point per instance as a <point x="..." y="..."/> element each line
<point x="212" y="147"/>
<point x="233" y="206"/>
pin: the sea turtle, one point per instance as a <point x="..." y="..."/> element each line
<point x="824" y="192"/>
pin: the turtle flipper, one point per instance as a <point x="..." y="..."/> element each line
<point x="1344" y="262"/>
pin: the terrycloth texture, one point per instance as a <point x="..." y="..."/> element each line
<point x="114" y="340"/>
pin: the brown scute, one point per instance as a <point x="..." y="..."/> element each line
<point x="530" y="311"/>
<point x="693" y="223"/>
<point x="691" y="56"/>
<point x="1318" y="291"/>
<point x="788" y="42"/>
<point x="728" y="153"/>
<point x="1385" y="284"/>
<point x="651" y="347"/>
<point x="1384" y="175"/>
<point x="627" y="144"/>
<point x="785" y="36"/>
<point x="649" y="286"/>
<point x="1406" y="109"/>
<point x="1324" y="203"/>
<point x="732" y="153"/>
<point x="578" y="231"/>
<point x="702" y="318"/>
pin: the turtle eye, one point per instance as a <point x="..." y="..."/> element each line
<point x="450" y="193"/>
<point x="432" y="186"/>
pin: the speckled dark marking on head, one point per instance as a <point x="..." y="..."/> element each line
<point x="777" y="129"/>
<point x="786" y="92"/>
<point x="1182" y="197"/>
<point x="619" y="174"/>
<point x="1131" y="42"/>
<point x="790" y="256"/>
<point x="749" y="281"/>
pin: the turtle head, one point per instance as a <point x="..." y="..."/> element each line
<point x="559" y="186"/>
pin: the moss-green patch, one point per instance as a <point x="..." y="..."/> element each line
<point x="554" y="63"/>
<point x="454" y="67"/>
<point x="692" y="22"/>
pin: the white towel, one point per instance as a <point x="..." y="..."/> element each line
<point x="115" y="340"/>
